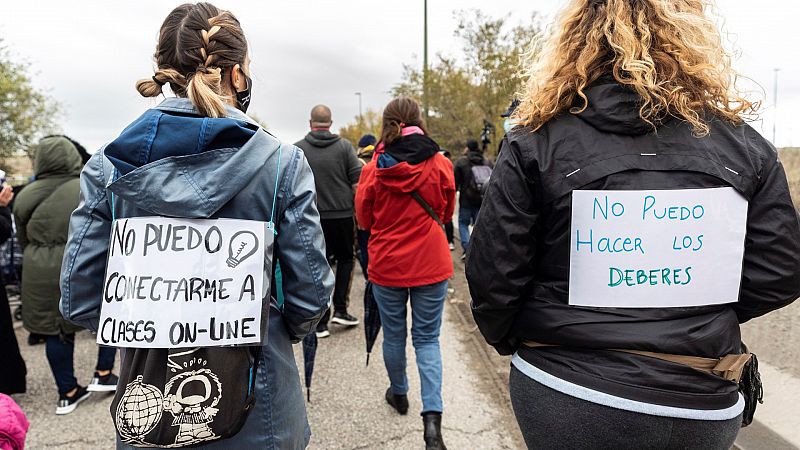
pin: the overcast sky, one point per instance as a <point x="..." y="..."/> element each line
<point x="89" y="54"/>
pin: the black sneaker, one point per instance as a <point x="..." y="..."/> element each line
<point x="322" y="331"/>
<point x="105" y="383"/>
<point x="342" y="318"/>
<point x="398" y="402"/>
<point x="68" y="404"/>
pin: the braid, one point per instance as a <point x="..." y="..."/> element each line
<point x="208" y="57"/>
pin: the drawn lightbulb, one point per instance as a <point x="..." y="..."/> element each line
<point x="243" y="245"/>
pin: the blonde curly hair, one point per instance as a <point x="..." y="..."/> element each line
<point x="669" y="51"/>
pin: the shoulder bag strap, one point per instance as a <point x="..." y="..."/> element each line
<point x="427" y="208"/>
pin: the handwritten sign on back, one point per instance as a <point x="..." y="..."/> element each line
<point x="656" y="249"/>
<point x="185" y="283"/>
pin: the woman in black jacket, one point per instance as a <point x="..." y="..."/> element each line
<point x="12" y="376"/>
<point x="631" y="209"/>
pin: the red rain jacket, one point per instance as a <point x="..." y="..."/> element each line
<point x="407" y="248"/>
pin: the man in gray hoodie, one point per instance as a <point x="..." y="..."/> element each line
<point x="336" y="171"/>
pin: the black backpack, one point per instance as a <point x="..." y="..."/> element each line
<point x="476" y="183"/>
<point x="184" y="397"/>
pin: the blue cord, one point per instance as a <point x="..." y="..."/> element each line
<point x="113" y="213"/>
<point x="275" y="195"/>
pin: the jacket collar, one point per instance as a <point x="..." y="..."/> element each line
<point x="184" y="105"/>
<point x="613" y="108"/>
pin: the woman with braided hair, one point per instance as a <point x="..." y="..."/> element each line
<point x="199" y="156"/>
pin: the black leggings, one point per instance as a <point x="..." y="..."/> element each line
<point x="552" y="420"/>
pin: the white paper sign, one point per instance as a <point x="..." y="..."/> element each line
<point x="656" y="249"/>
<point x="184" y="283"/>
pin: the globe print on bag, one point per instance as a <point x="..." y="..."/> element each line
<point x="139" y="410"/>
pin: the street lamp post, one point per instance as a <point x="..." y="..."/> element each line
<point x="425" y="63"/>
<point x="775" y="104"/>
<point x="360" y="116"/>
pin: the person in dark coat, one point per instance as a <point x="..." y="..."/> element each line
<point x="12" y="375"/>
<point x="42" y="212"/>
<point x="336" y="171"/>
<point x="618" y="109"/>
<point x="469" y="198"/>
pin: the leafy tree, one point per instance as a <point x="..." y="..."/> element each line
<point x="479" y="84"/>
<point x="368" y="123"/>
<point x="26" y="114"/>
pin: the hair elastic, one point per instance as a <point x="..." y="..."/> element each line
<point x="160" y="83"/>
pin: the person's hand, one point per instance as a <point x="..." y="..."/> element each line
<point x="6" y="195"/>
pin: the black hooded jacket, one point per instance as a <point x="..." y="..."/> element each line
<point x="463" y="174"/>
<point x="519" y="257"/>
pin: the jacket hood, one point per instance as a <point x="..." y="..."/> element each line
<point x="614" y="108"/>
<point x="475" y="158"/>
<point x="173" y="162"/>
<point x="322" y="138"/>
<point x="56" y="156"/>
<point x="401" y="168"/>
<point x="412" y="148"/>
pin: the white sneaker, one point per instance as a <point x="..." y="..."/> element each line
<point x="343" y="318"/>
<point x="322" y="331"/>
<point x="452" y="247"/>
<point x="323" y="334"/>
<point x="106" y="383"/>
<point x="68" y="404"/>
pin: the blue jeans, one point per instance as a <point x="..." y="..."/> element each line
<point x="60" y="352"/>
<point x="467" y="215"/>
<point x="427" y="304"/>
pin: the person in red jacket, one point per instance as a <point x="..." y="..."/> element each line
<point x="402" y="197"/>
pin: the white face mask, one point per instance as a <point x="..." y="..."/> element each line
<point x="508" y="124"/>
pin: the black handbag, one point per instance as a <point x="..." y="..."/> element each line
<point x="751" y="388"/>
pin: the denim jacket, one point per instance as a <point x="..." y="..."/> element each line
<point x="172" y="162"/>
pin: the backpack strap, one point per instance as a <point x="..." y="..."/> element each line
<point x="427" y="208"/>
<point x="271" y="224"/>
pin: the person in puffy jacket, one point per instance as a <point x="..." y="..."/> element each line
<point x="408" y="253"/>
<point x="42" y="211"/>
<point x="630" y="99"/>
<point x="199" y="156"/>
